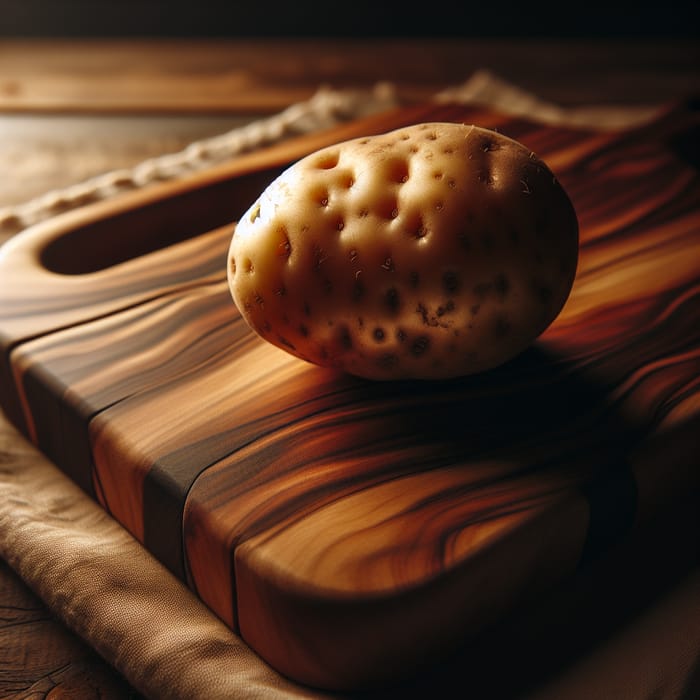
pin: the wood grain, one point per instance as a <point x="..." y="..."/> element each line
<point x="260" y="75"/>
<point x="349" y="528"/>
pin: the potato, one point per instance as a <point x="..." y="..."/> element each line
<point x="429" y="252"/>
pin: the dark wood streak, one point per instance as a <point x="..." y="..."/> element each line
<point x="344" y="526"/>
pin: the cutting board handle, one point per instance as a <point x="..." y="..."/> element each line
<point x="94" y="261"/>
<point x="105" y="234"/>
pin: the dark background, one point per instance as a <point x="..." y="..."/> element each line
<point x="348" y="18"/>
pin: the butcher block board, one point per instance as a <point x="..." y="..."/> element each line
<point x="352" y="530"/>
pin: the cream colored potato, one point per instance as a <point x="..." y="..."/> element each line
<point x="432" y="251"/>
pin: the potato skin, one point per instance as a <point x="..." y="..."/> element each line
<point x="429" y="252"/>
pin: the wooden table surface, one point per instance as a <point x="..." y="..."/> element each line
<point x="73" y="109"/>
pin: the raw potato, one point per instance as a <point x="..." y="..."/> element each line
<point x="432" y="251"/>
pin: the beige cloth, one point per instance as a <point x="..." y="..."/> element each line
<point x="149" y="626"/>
<point x="106" y="587"/>
<point x="113" y="593"/>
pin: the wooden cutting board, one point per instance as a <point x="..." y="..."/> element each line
<point x="353" y="530"/>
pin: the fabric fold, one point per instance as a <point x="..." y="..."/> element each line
<point x="107" y="588"/>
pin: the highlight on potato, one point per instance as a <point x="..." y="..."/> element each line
<point x="429" y="252"/>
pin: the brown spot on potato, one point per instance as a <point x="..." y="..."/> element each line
<point x="358" y="290"/>
<point x="488" y="144"/>
<point x="447" y="308"/>
<point x="284" y="247"/>
<point x="388" y="360"/>
<point x="346" y="180"/>
<point x="485" y="177"/>
<point x="392" y="300"/>
<point x="345" y="337"/>
<point x="328" y="160"/>
<point x="420" y="345"/>
<point x="422" y="311"/>
<point x="378" y="334"/>
<point x="286" y="342"/>
<point x="387" y="208"/>
<point x="399" y="172"/>
<point x="420" y="230"/>
<point x="450" y="281"/>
